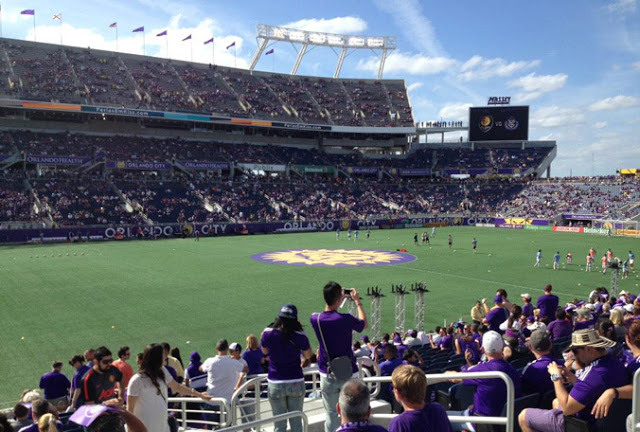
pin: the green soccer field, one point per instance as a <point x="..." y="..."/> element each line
<point x="58" y="300"/>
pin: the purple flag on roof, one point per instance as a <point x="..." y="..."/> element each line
<point x="139" y="29"/>
<point x="187" y="38"/>
<point x="232" y="45"/>
<point x="209" y="41"/>
<point x="28" y="12"/>
<point x="163" y="33"/>
<point x="269" y="52"/>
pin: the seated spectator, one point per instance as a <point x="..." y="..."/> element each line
<point x="535" y="378"/>
<point x="560" y="328"/>
<point x="21" y="414"/>
<point x="410" y="390"/>
<point x="56" y="386"/>
<point x="491" y="394"/>
<point x="390" y="363"/>
<point x="354" y="409"/>
<point x="42" y="409"/>
<point x="411" y="339"/>
<point x="411" y="357"/>
<point x="601" y="371"/>
<point x="360" y="350"/>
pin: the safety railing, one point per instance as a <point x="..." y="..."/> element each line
<point x="218" y="406"/>
<point x="635" y="409"/>
<point x="255" y="425"/>
<point x="506" y="421"/>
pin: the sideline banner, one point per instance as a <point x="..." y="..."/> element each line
<point x="568" y="229"/>
<point x="538" y="227"/>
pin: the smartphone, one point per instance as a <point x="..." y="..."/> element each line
<point x="347" y="291"/>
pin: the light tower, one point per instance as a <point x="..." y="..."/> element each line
<point x="375" y="294"/>
<point x="420" y="288"/>
<point x="400" y="291"/>
<point x="305" y="41"/>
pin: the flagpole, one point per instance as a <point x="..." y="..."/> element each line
<point x="167" y="35"/>
<point x="191" y="40"/>
<point x="144" y="51"/>
<point x="213" y="52"/>
<point x="60" y="29"/>
<point x="35" y="39"/>
<point x="234" y="56"/>
<point x="117" y="49"/>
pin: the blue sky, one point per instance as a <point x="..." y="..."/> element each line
<point x="576" y="63"/>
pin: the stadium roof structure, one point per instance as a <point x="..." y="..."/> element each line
<point x="267" y="35"/>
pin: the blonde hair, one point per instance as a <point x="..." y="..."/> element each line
<point x="410" y="382"/>
<point x="47" y="423"/>
<point x="617" y="317"/>
<point x="252" y="342"/>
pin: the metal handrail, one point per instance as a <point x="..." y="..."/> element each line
<point x="635" y="409"/>
<point x="441" y="377"/>
<point x="285" y="416"/>
<point x="256" y="382"/>
<point x="225" y="411"/>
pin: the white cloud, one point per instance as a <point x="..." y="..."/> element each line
<point x="540" y="83"/>
<point x="455" y="112"/>
<point x="346" y="24"/>
<point x="154" y="46"/>
<point x="479" y="68"/>
<point x="416" y="64"/>
<point x="622" y="6"/>
<point x="526" y="97"/>
<point x="615" y="102"/>
<point x="600" y="125"/>
<point x="415" y="86"/>
<point x="554" y="116"/>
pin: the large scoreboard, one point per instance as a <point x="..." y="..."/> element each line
<point x="499" y="123"/>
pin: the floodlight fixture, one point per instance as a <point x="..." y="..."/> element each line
<point x="302" y="39"/>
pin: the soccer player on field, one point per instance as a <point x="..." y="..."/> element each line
<point x="609" y="255"/>
<point x="355" y="235"/>
<point x="569" y="258"/>
<point x="474" y="245"/>
<point x="556" y="261"/>
<point x="604" y="264"/>
<point x="433" y="232"/>
<point x="450" y="241"/>
<point x="538" y="258"/>
<point x="349" y="233"/>
<point x="625" y="269"/>
<point x="338" y="234"/>
<point x="368" y="233"/>
<point x="589" y="263"/>
<point x="632" y="258"/>
<point x="592" y="252"/>
<point x="415" y="239"/>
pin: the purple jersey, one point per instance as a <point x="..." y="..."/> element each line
<point x="284" y="354"/>
<point x="446" y="342"/>
<point x="560" y="329"/>
<point x="431" y="418"/>
<point x="548" y="304"/>
<point x="55" y="385"/>
<point x="535" y="376"/>
<point x="76" y="380"/>
<point x="602" y="374"/>
<point x="495" y="317"/>
<point x="527" y="310"/>
<point x="632" y="366"/>
<point x="253" y="359"/>
<point x="491" y="394"/>
<point x="336" y="328"/>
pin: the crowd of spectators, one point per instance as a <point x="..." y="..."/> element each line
<point x="76" y="75"/>
<point x="564" y="360"/>
<point x="601" y="196"/>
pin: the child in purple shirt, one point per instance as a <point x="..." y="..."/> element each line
<point x="410" y="389"/>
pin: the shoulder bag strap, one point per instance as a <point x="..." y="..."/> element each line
<point x="326" y="348"/>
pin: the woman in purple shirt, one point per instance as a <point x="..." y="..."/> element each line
<point x="560" y="328"/>
<point x="284" y="341"/>
<point x="253" y="356"/>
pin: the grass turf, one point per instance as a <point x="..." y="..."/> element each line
<point x="58" y="300"/>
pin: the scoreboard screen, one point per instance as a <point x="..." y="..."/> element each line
<point x="503" y="123"/>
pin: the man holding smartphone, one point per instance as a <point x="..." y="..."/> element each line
<point x="335" y="329"/>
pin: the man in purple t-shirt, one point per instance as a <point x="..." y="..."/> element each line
<point x="491" y="393"/>
<point x="56" y="386"/>
<point x="77" y="362"/>
<point x="548" y="303"/>
<point x="600" y="372"/>
<point x="335" y="329"/>
<point x="560" y="328"/>
<point x="497" y="315"/>
<point x="535" y="377"/>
